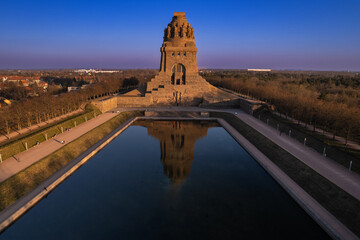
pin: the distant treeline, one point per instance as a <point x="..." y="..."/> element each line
<point x="327" y="100"/>
<point x="26" y="111"/>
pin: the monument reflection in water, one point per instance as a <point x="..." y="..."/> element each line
<point x="177" y="142"/>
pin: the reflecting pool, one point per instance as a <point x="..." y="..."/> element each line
<point x="168" y="180"/>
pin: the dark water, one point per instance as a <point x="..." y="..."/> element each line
<point x="168" y="180"/>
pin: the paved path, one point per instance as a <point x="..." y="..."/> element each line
<point x="4" y="137"/>
<point x="20" y="161"/>
<point x="336" y="173"/>
<point x="350" y="144"/>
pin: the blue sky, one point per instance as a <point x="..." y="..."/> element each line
<point x="312" y="35"/>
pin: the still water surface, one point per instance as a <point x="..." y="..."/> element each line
<point x="168" y="180"/>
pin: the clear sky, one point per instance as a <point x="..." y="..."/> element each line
<point x="291" y="34"/>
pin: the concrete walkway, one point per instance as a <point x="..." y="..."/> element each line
<point x="336" y="173"/>
<point x="4" y="137"/>
<point x="20" y="161"/>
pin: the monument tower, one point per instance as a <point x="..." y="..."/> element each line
<point x="178" y="52"/>
<point x="178" y="81"/>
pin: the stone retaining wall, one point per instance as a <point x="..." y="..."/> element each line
<point x="105" y="104"/>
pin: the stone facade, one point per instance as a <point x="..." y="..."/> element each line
<point x="178" y="82"/>
<point x="105" y="104"/>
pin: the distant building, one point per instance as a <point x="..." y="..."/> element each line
<point x="15" y="78"/>
<point x="95" y="71"/>
<point x="21" y="80"/>
<point x="258" y="70"/>
<point x="72" y="88"/>
<point x="12" y="81"/>
<point x="24" y="83"/>
<point x="43" y="85"/>
<point x="30" y="92"/>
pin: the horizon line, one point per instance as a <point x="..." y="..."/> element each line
<point x="200" y="68"/>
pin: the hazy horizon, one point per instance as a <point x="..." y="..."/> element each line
<point x="200" y="68"/>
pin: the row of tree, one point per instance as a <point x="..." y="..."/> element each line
<point x="28" y="111"/>
<point x="298" y="101"/>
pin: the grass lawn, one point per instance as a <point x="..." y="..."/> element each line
<point x="341" y="204"/>
<point x="20" y="184"/>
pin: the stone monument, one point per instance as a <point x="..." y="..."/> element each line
<point x="178" y="81"/>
